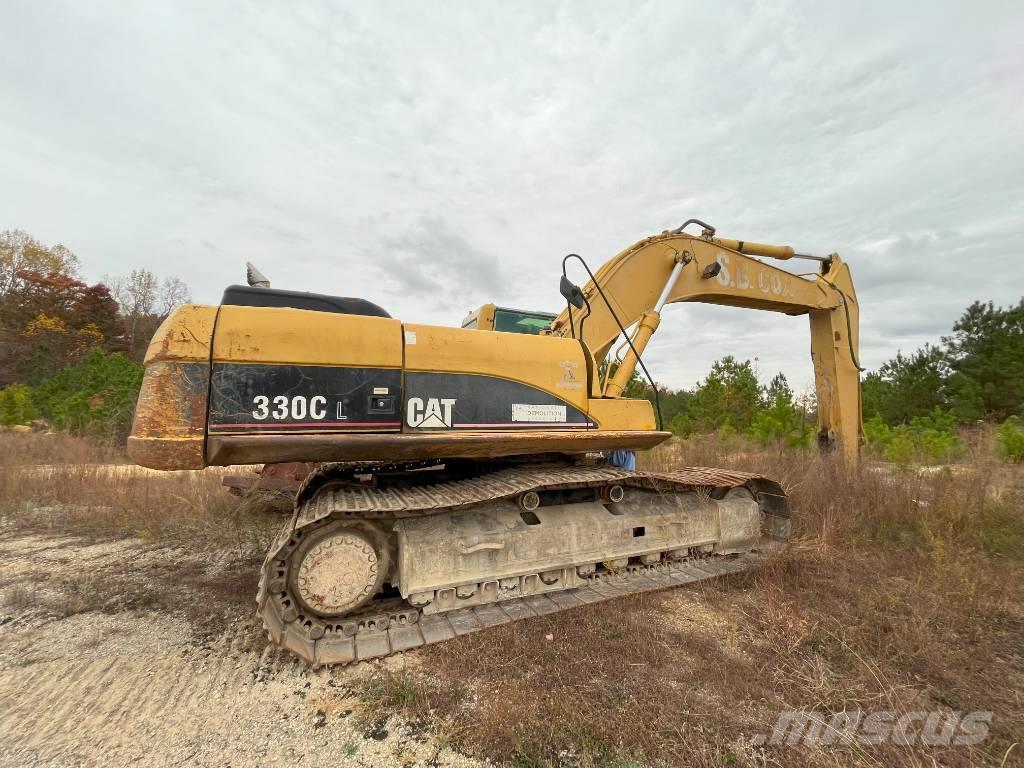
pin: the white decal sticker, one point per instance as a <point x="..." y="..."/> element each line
<point x="434" y="412"/>
<point x="410" y="337"/>
<point x="380" y="390"/>
<point x="539" y="413"/>
<point x="769" y="279"/>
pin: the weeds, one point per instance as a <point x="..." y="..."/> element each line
<point x="415" y="696"/>
<point x="65" y="485"/>
<point x="901" y="590"/>
<point x="1011" y="439"/>
<point x="36" y="448"/>
<point x="929" y="439"/>
<point x="389" y="691"/>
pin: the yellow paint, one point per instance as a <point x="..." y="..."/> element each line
<point x="836" y="376"/>
<point x="645" y="329"/>
<point x="633" y="280"/>
<point x="756" y="249"/>
<point x="483" y="317"/>
<point x="552" y="364"/>
<point x="622" y="414"/>
<point x="303" y="337"/>
<point x="184" y="336"/>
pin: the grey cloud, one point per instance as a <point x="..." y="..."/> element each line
<point x="430" y="259"/>
<point x="436" y="161"/>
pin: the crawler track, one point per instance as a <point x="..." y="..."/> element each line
<point x="392" y="625"/>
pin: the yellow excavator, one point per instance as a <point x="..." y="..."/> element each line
<point x="461" y="478"/>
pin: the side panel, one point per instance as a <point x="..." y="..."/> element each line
<point x="185" y="335"/>
<point x="249" y="398"/>
<point x="303" y="337"/>
<point x="475" y="401"/>
<point x="479" y="380"/>
<point x="169" y="429"/>
<point x="293" y="371"/>
<point x="622" y="413"/>
<point x="552" y="364"/>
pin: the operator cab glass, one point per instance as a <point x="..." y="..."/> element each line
<point x="514" y="321"/>
<point x="492" y="318"/>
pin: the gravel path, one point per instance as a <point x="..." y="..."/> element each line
<point x="144" y="687"/>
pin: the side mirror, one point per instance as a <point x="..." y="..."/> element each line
<point x="571" y="293"/>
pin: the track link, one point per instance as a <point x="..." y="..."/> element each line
<point x="392" y="625"/>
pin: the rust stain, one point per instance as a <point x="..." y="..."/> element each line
<point x="185" y="336"/>
<point x="172" y="401"/>
<point x="170" y="416"/>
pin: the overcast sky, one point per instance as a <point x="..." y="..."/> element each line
<point x="432" y="157"/>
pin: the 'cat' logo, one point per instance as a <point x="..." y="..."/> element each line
<point x="434" y="412"/>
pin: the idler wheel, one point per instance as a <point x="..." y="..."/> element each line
<point x="338" y="569"/>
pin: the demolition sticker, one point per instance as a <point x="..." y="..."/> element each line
<point x="538" y="413"/>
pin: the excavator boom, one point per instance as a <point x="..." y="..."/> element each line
<point x="630" y="289"/>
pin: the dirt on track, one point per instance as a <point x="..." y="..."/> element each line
<point x="98" y="666"/>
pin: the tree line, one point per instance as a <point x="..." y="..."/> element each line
<point x="913" y="404"/>
<point x="975" y="373"/>
<point x="732" y="401"/>
<point x="70" y="352"/>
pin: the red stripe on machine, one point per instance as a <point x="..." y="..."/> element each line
<point x="276" y="425"/>
<point x="526" y="425"/>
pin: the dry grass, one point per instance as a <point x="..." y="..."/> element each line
<point x="54" y="483"/>
<point x="36" y="448"/>
<point x="197" y="548"/>
<point x="900" y="592"/>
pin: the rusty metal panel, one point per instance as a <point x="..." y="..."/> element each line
<point x="169" y="428"/>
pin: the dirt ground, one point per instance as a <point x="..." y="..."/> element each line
<point x="95" y="671"/>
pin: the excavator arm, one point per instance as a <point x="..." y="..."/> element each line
<point x="629" y="291"/>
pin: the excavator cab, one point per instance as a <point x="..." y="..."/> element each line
<point x="493" y="318"/>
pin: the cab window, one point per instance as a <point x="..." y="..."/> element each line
<point x="511" y="321"/>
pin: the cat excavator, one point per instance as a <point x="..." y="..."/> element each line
<point x="460" y="478"/>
